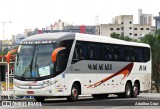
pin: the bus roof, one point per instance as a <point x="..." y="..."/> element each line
<point x="107" y="39"/>
<point x="48" y="38"/>
<point x="54" y="37"/>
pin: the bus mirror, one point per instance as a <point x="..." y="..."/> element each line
<point x="55" y="53"/>
<point x="8" y="56"/>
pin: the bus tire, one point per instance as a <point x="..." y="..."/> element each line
<point x="74" y="93"/>
<point x="100" y="96"/>
<point x="128" y="91"/>
<point x="135" y="90"/>
<point x="39" y="98"/>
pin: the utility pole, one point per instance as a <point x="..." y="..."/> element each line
<point x="3" y="27"/>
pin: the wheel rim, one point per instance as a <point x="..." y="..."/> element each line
<point x="128" y="91"/>
<point x="135" y="90"/>
<point x="74" y="92"/>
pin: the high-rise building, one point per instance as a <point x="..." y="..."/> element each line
<point x="157" y="18"/>
<point x="144" y="18"/>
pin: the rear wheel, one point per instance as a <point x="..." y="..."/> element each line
<point x="100" y="96"/>
<point x="135" y="90"/>
<point x="39" y="98"/>
<point x="128" y="91"/>
<point x="74" y="93"/>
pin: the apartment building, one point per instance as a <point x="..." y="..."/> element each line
<point x="157" y="18"/>
<point x="144" y="18"/>
<point x="123" y="25"/>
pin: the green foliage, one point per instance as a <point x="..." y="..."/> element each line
<point x="157" y="34"/>
<point x="149" y="39"/>
<point x="117" y="36"/>
<point x="154" y="41"/>
<point x="114" y="35"/>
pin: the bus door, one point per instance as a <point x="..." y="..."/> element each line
<point x="61" y="63"/>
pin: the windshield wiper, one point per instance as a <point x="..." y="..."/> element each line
<point x="26" y="70"/>
<point x="29" y="68"/>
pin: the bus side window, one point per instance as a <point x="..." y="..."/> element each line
<point x="84" y="50"/>
<point x="80" y="52"/>
<point x="132" y="54"/>
<point x="107" y="53"/>
<point x="76" y="52"/>
<point x="121" y="53"/>
<point x="146" y="54"/>
<point x="126" y="53"/>
<point x="139" y="55"/>
<point x="99" y="52"/>
<point x="116" y="53"/>
<point x="91" y="51"/>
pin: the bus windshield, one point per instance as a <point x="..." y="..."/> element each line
<point x="34" y="61"/>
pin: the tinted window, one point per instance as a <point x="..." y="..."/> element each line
<point x="146" y="53"/>
<point x="109" y="52"/>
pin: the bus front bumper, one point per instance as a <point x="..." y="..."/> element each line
<point x="47" y="91"/>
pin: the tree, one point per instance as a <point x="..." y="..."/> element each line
<point x="149" y="39"/>
<point x="154" y="41"/>
<point x="121" y="37"/>
<point x="114" y="35"/>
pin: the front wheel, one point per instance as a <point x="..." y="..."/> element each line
<point x="74" y="93"/>
<point x="39" y="98"/>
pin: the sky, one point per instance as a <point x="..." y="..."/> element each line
<point x="31" y="14"/>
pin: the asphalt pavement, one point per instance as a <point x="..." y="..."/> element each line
<point x="143" y="101"/>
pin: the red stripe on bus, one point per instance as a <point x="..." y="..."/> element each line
<point x="125" y="71"/>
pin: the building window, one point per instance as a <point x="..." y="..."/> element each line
<point x="122" y="28"/>
<point x="121" y="22"/>
<point x="130" y="33"/>
<point x="111" y="28"/>
<point x="147" y="28"/>
<point x="117" y="28"/>
<point x="130" y="22"/>
<point x="141" y="28"/>
<point x="135" y="34"/>
<point x="135" y="28"/>
<point x="130" y="28"/>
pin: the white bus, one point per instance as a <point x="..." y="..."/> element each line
<point x="73" y="64"/>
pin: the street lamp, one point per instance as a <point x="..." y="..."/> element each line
<point x="3" y="23"/>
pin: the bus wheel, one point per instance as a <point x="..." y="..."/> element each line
<point x="39" y="98"/>
<point x="74" y="93"/>
<point x="100" y="96"/>
<point x="128" y="90"/>
<point x="135" y="90"/>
